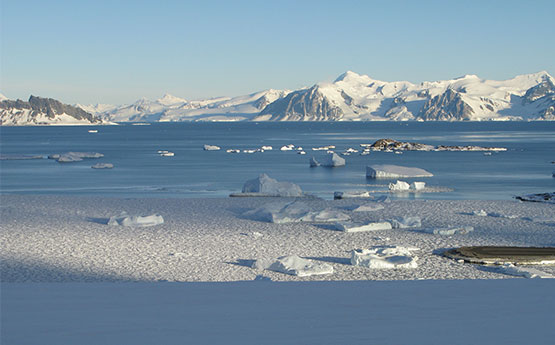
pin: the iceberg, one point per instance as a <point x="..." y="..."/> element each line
<point x="332" y="160"/>
<point x="360" y="227"/>
<point x="395" y="171"/>
<point x="313" y="162"/>
<point x="418" y="185"/>
<point x="264" y="185"/>
<point x="211" y="148"/>
<point x="384" y="257"/>
<point x="294" y="265"/>
<point x="140" y="221"/>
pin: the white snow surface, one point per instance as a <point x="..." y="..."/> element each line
<point x="62" y="239"/>
<point x="395" y="171"/>
<point x="526" y="272"/>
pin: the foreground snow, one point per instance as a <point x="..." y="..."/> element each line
<point x="514" y="311"/>
<point x="52" y="238"/>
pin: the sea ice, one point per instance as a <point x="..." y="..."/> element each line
<point x="351" y="194"/>
<point x="142" y="221"/>
<point x="359" y="227"/>
<point x="103" y="166"/>
<point x="294" y="265"/>
<point x="211" y="148"/>
<point x="406" y="222"/>
<point x="450" y="231"/>
<point x="267" y="186"/>
<point x="526" y="272"/>
<point x="368" y="207"/>
<point x="399" y="186"/>
<point x="394" y="171"/>
<point x="380" y="257"/>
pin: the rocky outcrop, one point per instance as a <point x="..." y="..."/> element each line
<point x="545" y="88"/>
<point x="303" y="105"/>
<point x="38" y="111"/>
<point x="449" y="106"/>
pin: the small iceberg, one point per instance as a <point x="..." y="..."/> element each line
<point x="264" y="185"/>
<point x="294" y="265"/>
<point x="295" y="212"/>
<point x="136" y="221"/>
<point x="384" y="257"/>
<point x="103" y="166"/>
<point x="351" y="194"/>
<point x="211" y="148"/>
<point x="395" y="171"/>
<point x="93" y="130"/>
<point x="399" y="186"/>
<point x="331" y="160"/>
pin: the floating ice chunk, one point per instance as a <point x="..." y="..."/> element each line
<point x="394" y="171"/>
<point x="332" y="160"/>
<point x="526" y="272"/>
<point x="295" y="212"/>
<point x="383" y="257"/>
<point x="313" y="162"/>
<point x="301" y="153"/>
<point x="351" y="194"/>
<point x="369" y="207"/>
<point x="480" y="213"/>
<point x="267" y="148"/>
<point x="233" y="151"/>
<point x="450" y="231"/>
<point x="359" y="227"/>
<point x="69" y="157"/>
<point x="103" y="166"/>
<point x="295" y="266"/>
<point x="93" y="130"/>
<point x="125" y="220"/>
<point x="19" y="157"/>
<point x="167" y="154"/>
<point x="267" y="186"/>
<point x="406" y="222"/>
<point x="399" y="186"/>
<point x="418" y="185"/>
<point x="211" y="148"/>
<point x="289" y="147"/>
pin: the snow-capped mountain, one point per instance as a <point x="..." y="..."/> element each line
<point x="43" y="111"/>
<point x="353" y="97"/>
<point x="170" y="108"/>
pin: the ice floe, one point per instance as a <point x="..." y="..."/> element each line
<point x="395" y="171"/>
<point x="384" y="257"/>
<point x="69" y="157"/>
<point x="351" y="195"/>
<point x="294" y="265"/>
<point x="211" y="148"/>
<point x="103" y="166"/>
<point x="140" y="221"/>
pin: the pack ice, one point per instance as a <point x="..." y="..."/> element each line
<point x="395" y="171"/>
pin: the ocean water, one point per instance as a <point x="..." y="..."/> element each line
<point x="141" y="172"/>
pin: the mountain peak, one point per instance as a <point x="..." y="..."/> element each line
<point x="168" y="99"/>
<point x="350" y="76"/>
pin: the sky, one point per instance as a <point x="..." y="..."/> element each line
<point x="116" y="52"/>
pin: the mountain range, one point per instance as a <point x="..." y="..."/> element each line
<point x="351" y="97"/>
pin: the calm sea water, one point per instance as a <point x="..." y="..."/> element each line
<point x="140" y="172"/>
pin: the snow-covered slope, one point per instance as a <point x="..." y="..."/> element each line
<point x="170" y="108"/>
<point x="353" y="97"/>
<point x="43" y="111"/>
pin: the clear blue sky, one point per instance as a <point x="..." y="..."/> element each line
<point x="118" y="51"/>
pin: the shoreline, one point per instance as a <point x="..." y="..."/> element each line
<point x="51" y="238"/>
